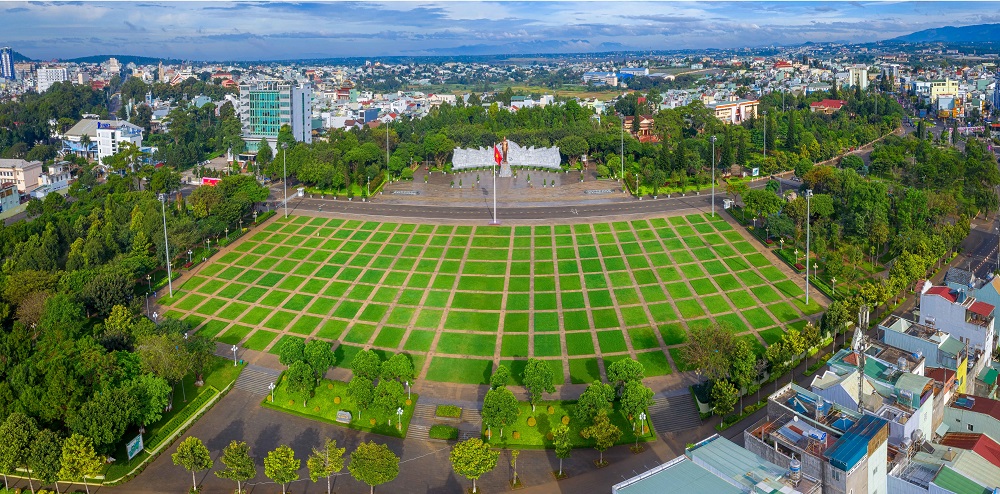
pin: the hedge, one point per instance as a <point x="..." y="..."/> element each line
<point x="446" y="432"/>
<point x="449" y="411"/>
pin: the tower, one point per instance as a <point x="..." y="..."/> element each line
<point x="6" y="63"/>
<point x="996" y="93"/>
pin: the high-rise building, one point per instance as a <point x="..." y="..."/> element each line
<point x="267" y="105"/>
<point x="996" y="93"/>
<point x="49" y="76"/>
<point x="7" y="63"/>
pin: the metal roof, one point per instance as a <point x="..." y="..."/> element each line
<point x="677" y="475"/>
<point x="958" y="483"/>
<point x="734" y="463"/>
<point x="853" y="445"/>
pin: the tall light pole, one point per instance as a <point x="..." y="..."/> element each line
<point x="713" y="176"/>
<point x="271" y="387"/>
<point x="622" y="149"/>
<point x="284" y="170"/>
<point x="809" y="194"/>
<point x="234" y="355"/>
<point x="765" y="132"/>
<point x="166" y="245"/>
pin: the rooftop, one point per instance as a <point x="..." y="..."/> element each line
<point x="978" y="404"/>
<point x="958" y="483"/>
<point x="739" y="466"/>
<point x="677" y="475"/>
<point x="853" y="445"/>
<point x="982" y="444"/>
<point x="89" y="126"/>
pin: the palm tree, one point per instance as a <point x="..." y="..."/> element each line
<point x="85" y="142"/>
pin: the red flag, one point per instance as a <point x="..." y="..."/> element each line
<point x="496" y="155"/>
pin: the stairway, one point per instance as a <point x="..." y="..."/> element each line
<point x="674" y="413"/>
<point x="256" y="379"/>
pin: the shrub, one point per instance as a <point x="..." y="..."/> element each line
<point x="371" y="421"/>
<point x="336" y="399"/>
<point x="409" y="402"/>
<point x="531" y="421"/>
<point x="330" y="386"/>
<point x="450" y="411"/>
<point x="565" y="419"/>
<point x="316" y="409"/>
<point x="550" y="437"/>
<point x="291" y="402"/>
<point x="446" y="432"/>
<point x="516" y="435"/>
<point x="550" y="410"/>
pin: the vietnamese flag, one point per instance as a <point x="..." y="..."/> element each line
<point x="496" y="155"/>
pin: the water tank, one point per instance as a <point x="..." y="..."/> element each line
<point x="901" y="362"/>
<point x="794" y="470"/>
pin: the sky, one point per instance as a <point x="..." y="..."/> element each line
<point x="292" y="30"/>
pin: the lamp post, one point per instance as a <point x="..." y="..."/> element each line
<point x="149" y="280"/>
<point x="407" y="390"/>
<point x="241" y="224"/>
<point x="833" y="284"/>
<point x="166" y="245"/>
<point x="622" y="150"/>
<point x="208" y="243"/>
<point x="637" y="194"/>
<point x="765" y="132"/>
<point x="399" y="420"/>
<point x="271" y="387"/>
<point x="815" y="270"/>
<point x="368" y="186"/>
<point x="284" y="171"/>
<point x="809" y="194"/>
<point x="234" y="355"/>
<point x="189" y="255"/>
<point x="183" y="390"/>
<point x="781" y="244"/>
<point x="713" y="176"/>
<point x="227" y="233"/>
<point x="255" y="217"/>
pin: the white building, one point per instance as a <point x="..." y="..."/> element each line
<point x="106" y="137"/>
<point x="858" y="76"/>
<point x="46" y="77"/>
<point x="23" y="173"/>
<point x="267" y="105"/>
<point x="960" y="315"/>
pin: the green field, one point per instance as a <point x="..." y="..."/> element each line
<point x="575" y="295"/>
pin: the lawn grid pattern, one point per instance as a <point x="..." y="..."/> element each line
<point x="373" y="269"/>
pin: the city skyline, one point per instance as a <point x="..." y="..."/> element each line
<point x="280" y="30"/>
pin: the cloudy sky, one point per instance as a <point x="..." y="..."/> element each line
<point x="273" y="30"/>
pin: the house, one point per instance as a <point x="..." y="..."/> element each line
<point x="982" y="444"/>
<point x="827" y="106"/>
<point x="735" y="112"/>
<point x="24" y="174"/>
<point x="969" y="413"/>
<point x="106" y="137"/>
<point x="601" y="78"/>
<point x="962" y="316"/>
<point x="9" y="196"/>
<point x="644" y="130"/>
<point x="938" y="348"/>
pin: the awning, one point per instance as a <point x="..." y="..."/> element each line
<point x="941" y="430"/>
<point x="989" y="376"/>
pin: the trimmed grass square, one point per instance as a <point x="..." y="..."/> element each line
<point x="460" y="370"/>
<point x="305" y="325"/>
<point x="419" y="341"/>
<point x="673" y="333"/>
<point x="758" y="318"/>
<point x="784" y="312"/>
<point x="575" y="320"/>
<point x="280" y="320"/>
<point x="643" y="338"/>
<point x="579" y="343"/>
<point x="689" y="309"/>
<point x="480" y="345"/>
<point x="332" y="329"/>
<point x="584" y="370"/>
<point x="703" y="286"/>
<point x="259" y="340"/>
<point x="605" y="318"/>
<point x="611" y="341"/>
<point x="235" y="334"/>
<point x="654" y="363"/>
<point x="548" y="345"/>
<point x="514" y="345"/>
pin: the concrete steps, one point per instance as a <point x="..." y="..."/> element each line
<point x="256" y="379"/>
<point x="673" y="414"/>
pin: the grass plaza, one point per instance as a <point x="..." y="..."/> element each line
<point x="459" y="298"/>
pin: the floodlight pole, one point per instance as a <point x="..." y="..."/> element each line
<point x="284" y="170"/>
<point x="166" y="245"/>
<point x="713" y="176"/>
<point x="809" y="194"/>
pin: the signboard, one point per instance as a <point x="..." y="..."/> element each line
<point x="344" y="417"/>
<point x="134" y="447"/>
<point x="212" y="181"/>
<point x="755" y="172"/>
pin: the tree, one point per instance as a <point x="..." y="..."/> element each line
<point x="299" y="380"/>
<point x="281" y="466"/>
<point x="373" y="464"/>
<point x="389" y="395"/>
<point x="319" y="357"/>
<point x="285" y="136"/>
<point x="572" y="147"/>
<point x="362" y="390"/>
<point x="153" y="397"/>
<point x="636" y="398"/>
<point x="44" y="457"/>
<point x="537" y="380"/>
<point x="291" y="350"/>
<point x="724" y="396"/>
<point x="514" y="453"/>
<point x="742" y="366"/>
<point x="17" y="431"/>
<point x="777" y="356"/>
<point x="622" y="371"/>
<point x="500" y="377"/>
<point x="240" y="466"/>
<point x="193" y="456"/>
<point x="710" y="350"/>
<point x="399" y="367"/>
<point x="499" y="409"/>
<point x="603" y="432"/>
<point x="79" y="460"/>
<point x="560" y="439"/>
<point x="367" y="364"/>
<point x="264" y="153"/>
<point x="595" y="399"/>
<point x="472" y="458"/>
<point x="325" y="461"/>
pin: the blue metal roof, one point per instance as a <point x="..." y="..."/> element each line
<point x="853" y="445"/>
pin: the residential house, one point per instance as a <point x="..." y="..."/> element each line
<point x="24" y="174"/>
<point x="106" y="137"/>
<point x="962" y="316"/>
<point x="9" y="196"/>
<point x="938" y="348"/>
<point x="735" y="112"/>
<point x="827" y="106"/>
<point x="969" y="413"/>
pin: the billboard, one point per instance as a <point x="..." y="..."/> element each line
<point x="755" y="172"/>
<point x="134" y="446"/>
<point x="212" y="181"/>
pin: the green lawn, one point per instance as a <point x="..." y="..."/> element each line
<point x="547" y="416"/>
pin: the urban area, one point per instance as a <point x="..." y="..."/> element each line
<point x="559" y="272"/>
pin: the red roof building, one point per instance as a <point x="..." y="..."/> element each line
<point x="982" y="444"/>
<point x="827" y="106"/>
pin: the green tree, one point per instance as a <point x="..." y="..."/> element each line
<point x="285" y="136"/>
<point x="572" y="147"/>
<point x="368" y="364"/>
<point x="636" y="398"/>
<point x="499" y="409"/>
<point x="153" y="395"/>
<point x="399" y="367"/>
<point x="281" y="466"/>
<point x="44" y="457"/>
<point x="17" y="431"/>
<point x="362" y="390"/>
<point x="299" y="380"/>
<point x="709" y="350"/>
<point x="500" y="377"/>
<point x="291" y="350"/>
<point x="264" y="153"/>
<point x="325" y="461"/>
<point x="319" y="357"/>
<point x="742" y="369"/>
<point x="373" y="464"/>
<point x="623" y="371"/>
<point x="239" y="465"/>
<point x="79" y="460"/>
<point x="472" y="458"/>
<point x="560" y="439"/>
<point x="514" y="453"/>
<point x="595" y="399"/>
<point x="603" y="432"/>
<point x="192" y="455"/>
<point x="537" y="380"/>
<point x="724" y="396"/>
<point x="389" y="396"/>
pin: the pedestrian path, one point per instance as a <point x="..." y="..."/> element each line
<point x="469" y="425"/>
<point x="256" y="379"/>
<point x="674" y="413"/>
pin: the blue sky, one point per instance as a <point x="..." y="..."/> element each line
<point x="283" y="30"/>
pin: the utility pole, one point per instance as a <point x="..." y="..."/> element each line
<point x="713" y="176"/>
<point x="622" y="150"/>
<point x="284" y="170"/>
<point x="166" y="244"/>
<point x="809" y="194"/>
<point x="765" y="133"/>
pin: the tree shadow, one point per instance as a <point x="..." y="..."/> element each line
<point x="233" y="431"/>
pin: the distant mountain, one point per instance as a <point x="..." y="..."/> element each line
<point x="978" y="33"/>
<point x="123" y="59"/>
<point x="18" y="57"/>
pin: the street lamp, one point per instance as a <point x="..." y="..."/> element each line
<point x="637" y="194"/>
<point x="399" y="421"/>
<point x="369" y="186"/>
<point x="284" y="171"/>
<point x="149" y="280"/>
<point x="407" y="390"/>
<point x="227" y="233"/>
<point x="189" y="255"/>
<point x="833" y="284"/>
<point x="271" y="387"/>
<point x="184" y="391"/>
<point x="166" y="245"/>
<point x="765" y="132"/>
<point x="713" y="176"/>
<point x="622" y="150"/>
<point x="815" y="270"/>
<point x="234" y="355"/>
<point x="809" y="194"/>
<point x="255" y="217"/>
<point x="208" y="243"/>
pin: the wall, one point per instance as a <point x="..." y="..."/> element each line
<point x="958" y="420"/>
